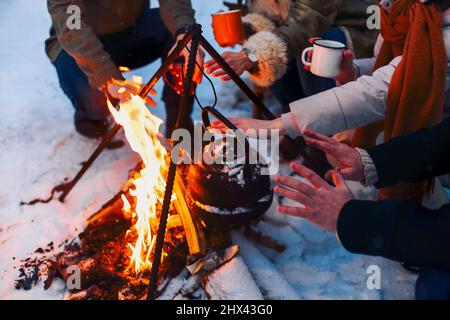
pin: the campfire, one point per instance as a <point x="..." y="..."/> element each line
<point x="170" y="223"/>
<point x="114" y="254"/>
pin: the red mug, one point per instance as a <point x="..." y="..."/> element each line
<point x="228" y="28"/>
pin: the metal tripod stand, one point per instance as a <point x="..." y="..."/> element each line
<point x="195" y="38"/>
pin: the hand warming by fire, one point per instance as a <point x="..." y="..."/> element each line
<point x="124" y="90"/>
<point x="321" y="202"/>
<point x="346" y="147"/>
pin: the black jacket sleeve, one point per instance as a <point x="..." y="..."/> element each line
<point x="398" y="230"/>
<point x="414" y="157"/>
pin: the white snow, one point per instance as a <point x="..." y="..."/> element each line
<point x="40" y="148"/>
<point x="271" y="282"/>
<point x="233" y="280"/>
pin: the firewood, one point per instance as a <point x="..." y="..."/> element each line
<point x="174" y="221"/>
<point x="194" y="235"/>
<point x="173" y="286"/>
<point x="263" y="239"/>
<point x="213" y="260"/>
<point x="113" y="206"/>
<point x="232" y="281"/>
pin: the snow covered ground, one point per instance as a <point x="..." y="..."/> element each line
<point x="39" y="148"/>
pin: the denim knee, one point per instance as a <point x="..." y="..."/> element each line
<point x="88" y="102"/>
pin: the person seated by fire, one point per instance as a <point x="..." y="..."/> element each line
<point x="279" y="30"/>
<point x="396" y="229"/>
<point x="110" y="37"/>
<point x="405" y="88"/>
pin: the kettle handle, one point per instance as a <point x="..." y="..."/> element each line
<point x="206" y="123"/>
<point x="216" y="114"/>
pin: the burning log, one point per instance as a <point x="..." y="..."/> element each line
<point x="194" y="235"/>
<point x="112" y="207"/>
<point x="101" y="254"/>
<point x="115" y="204"/>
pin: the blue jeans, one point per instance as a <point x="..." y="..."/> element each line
<point x="433" y="285"/>
<point x="134" y="47"/>
<point x="298" y="83"/>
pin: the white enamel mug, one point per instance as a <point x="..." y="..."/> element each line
<point x="327" y="58"/>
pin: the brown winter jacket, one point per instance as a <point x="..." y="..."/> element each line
<point x="102" y="17"/>
<point x="283" y="27"/>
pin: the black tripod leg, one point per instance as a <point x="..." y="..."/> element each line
<point x="181" y="123"/>
<point x="239" y="82"/>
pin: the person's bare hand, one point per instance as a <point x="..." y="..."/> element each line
<point x="350" y="163"/>
<point x="322" y="202"/>
<point x="251" y="127"/>
<point x="185" y="54"/>
<point x="123" y="90"/>
<point x="347" y="73"/>
<point x="239" y="61"/>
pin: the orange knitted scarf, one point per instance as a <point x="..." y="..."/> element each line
<point x="415" y="99"/>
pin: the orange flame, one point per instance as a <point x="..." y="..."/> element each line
<point x="142" y="132"/>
